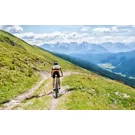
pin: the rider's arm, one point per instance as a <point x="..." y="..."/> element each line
<point x="52" y="72"/>
<point x="61" y="72"/>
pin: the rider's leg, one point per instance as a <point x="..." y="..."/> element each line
<point x="59" y="81"/>
<point x="53" y="83"/>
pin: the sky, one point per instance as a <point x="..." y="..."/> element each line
<point x="51" y="34"/>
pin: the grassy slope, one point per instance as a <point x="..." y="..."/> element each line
<point x="41" y="103"/>
<point x="18" y="61"/>
<point x="96" y="92"/>
<point x="91" y="91"/>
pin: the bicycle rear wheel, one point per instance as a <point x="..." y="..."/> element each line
<point x="56" y="86"/>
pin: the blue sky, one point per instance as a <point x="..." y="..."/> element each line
<point x="40" y="34"/>
<point x="49" y="28"/>
<point x="61" y="28"/>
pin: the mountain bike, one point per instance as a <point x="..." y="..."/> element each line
<point x="56" y="86"/>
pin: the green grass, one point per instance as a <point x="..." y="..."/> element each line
<point x="42" y="103"/>
<point x="13" y="83"/>
<point x="18" y="63"/>
<point x="35" y="56"/>
<point x="97" y="93"/>
<point x="45" y="87"/>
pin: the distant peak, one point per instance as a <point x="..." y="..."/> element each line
<point x="84" y="42"/>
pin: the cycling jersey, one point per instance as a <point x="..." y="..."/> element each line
<point x="56" y="69"/>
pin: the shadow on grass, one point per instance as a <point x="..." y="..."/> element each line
<point x="50" y="94"/>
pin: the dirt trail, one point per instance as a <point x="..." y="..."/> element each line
<point x="54" y="102"/>
<point x="27" y="94"/>
<point x="62" y="91"/>
<point x="30" y="93"/>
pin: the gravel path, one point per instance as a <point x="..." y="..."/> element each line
<point x="28" y="94"/>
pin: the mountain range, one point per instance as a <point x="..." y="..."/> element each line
<point x="115" y="57"/>
<point x="26" y="83"/>
<point x="86" y="47"/>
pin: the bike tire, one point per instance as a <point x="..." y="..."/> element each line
<point x="56" y="87"/>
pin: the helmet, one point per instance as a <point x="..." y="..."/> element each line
<point x="55" y="62"/>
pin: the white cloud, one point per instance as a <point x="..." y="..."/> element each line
<point x="1" y="27"/>
<point x="39" y="39"/>
<point x="84" y="29"/>
<point x="12" y="28"/>
<point x="106" y="29"/>
<point x="112" y="39"/>
<point x="114" y="29"/>
<point x="101" y="29"/>
<point x="106" y="34"/>
<point x="52" y="37"/>
<point x="124" y="26"/>
<point x="133" y="26"/>
<point x="27" y="35"/>
<point x="130" y="39"/>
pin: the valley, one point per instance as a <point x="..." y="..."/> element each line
<point x="26" y="83"/>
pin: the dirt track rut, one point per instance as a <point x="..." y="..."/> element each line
<point x="30" y="93"/>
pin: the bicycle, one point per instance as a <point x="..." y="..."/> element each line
<point x="56" y="86"/>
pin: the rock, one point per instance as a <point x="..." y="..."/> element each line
<point x="126" y="96"/>
<point x="117" y="93"/>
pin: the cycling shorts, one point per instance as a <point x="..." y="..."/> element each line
<point x="56" y="73"/>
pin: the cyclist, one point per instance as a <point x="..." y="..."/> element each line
<point x="56" y="70"/>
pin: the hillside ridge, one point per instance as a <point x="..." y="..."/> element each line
<point x="19" y="63"/>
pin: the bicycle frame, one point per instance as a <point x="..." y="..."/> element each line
<point x="56" y="86"/>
